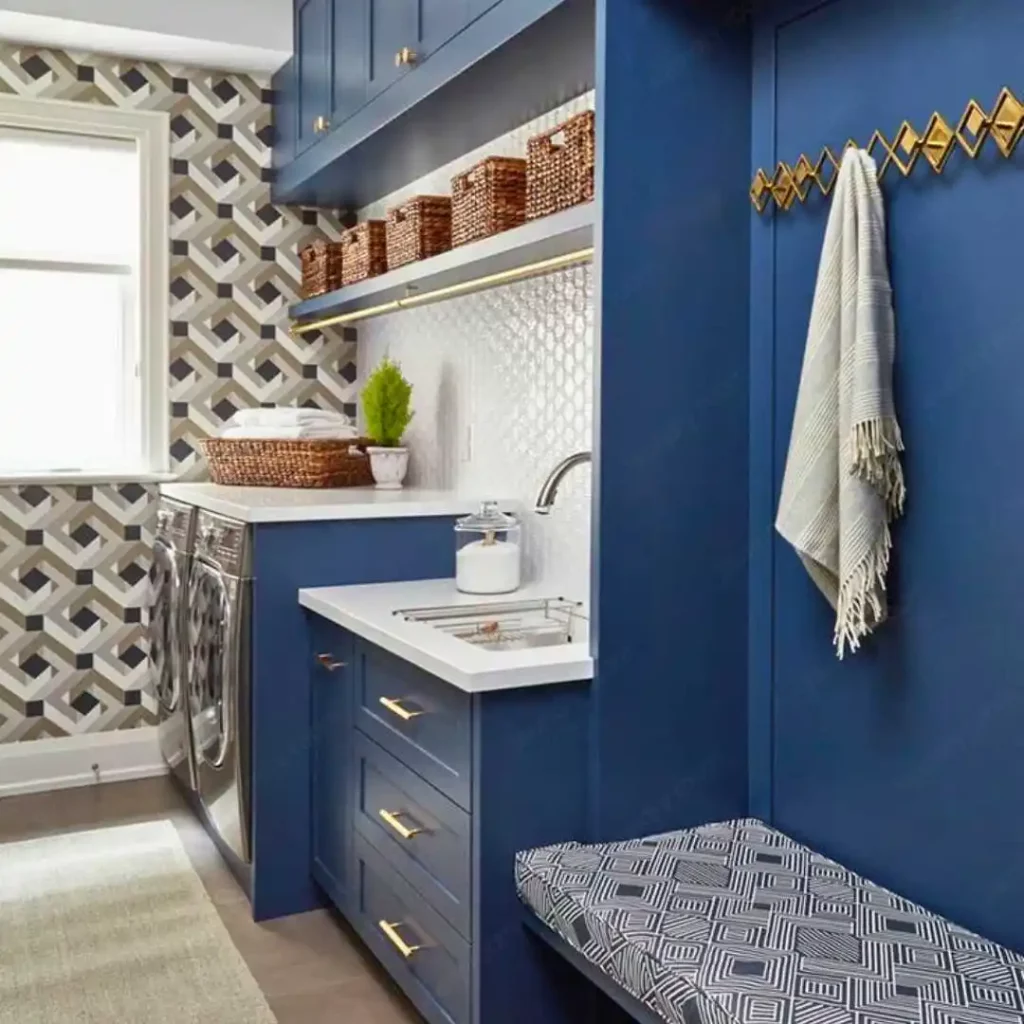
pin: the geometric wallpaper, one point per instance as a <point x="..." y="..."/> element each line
<point x="74" y="560"/>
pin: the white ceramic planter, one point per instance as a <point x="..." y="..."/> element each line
<point x="389" y="466"/>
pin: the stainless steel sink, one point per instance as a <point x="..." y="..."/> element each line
<point x="508" y="626"/>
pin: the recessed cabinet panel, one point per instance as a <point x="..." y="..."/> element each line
<point x="332" y="667"/>
<point x="350" y="35"/>
<point x="312" y="68"/>
<point x="394" y="32"/>
<point x="477" y="7"/>
<point x="440" y="20"/>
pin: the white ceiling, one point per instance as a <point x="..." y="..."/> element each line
<point x="242" y="35"/>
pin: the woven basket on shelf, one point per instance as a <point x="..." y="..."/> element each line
<point x="560" y="167"/>
<point x="488" y="198"/>
<point x="419" y="228"/>
<point x="251" y="462"/>
<point x="321" y="267"/>
<point x="365" y="251"/>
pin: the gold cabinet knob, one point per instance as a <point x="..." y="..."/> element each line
<point x="328" y="662"/>
<point x="405" y="57"/>
<point x="321" y="124"/>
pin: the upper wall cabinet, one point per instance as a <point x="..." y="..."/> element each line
<point x="349" y="59"/>
<point x="380" y="92"/>
<point x="312" y="69"/>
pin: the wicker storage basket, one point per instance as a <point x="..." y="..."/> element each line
<point x="287" y="463"/>
<point x="365" y="252"/>
<point x="321" y="267"/>
<point x="560" y="167"/>
<point x="488" y="198"/>
<point x="417" y="229"/>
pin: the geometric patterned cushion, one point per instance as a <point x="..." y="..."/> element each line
<point x="735" y="923"/>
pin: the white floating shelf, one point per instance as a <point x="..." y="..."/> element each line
<point x="536" y="247"/>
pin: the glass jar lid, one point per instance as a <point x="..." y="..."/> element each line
<point x="489" y="519"/>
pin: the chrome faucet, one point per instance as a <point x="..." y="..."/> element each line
<point x="549" y="489"/>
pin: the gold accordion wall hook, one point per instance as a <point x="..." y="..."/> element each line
<point x="787" y="185"/>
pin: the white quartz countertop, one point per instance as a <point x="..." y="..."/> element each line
<point x="289" y="505"/>
<point x="369" y="612"/>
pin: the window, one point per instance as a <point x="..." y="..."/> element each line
<point x="83" y="275"/>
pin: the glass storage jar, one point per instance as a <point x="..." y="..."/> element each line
<point x="488" y="551"/>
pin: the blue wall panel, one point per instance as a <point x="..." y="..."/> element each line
<point x="907" y="760"/>
<point x="669" y="741"/>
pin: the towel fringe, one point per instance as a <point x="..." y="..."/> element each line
<point x="859" y="608"/>
<point x="876" y="447"/>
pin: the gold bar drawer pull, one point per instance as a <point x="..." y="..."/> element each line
<point x="395" y="707"/>
<point x="391" y="818"/>
<point x="396" y="940"/>
<point x="328" y="662"/>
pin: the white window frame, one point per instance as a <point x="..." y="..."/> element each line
<point x="149" y="131"/>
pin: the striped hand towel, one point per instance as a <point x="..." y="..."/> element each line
<point x="843" y="484"/>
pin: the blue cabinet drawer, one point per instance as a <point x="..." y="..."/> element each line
<point x="424" y="955"/>
<point x="421" y="833"/>
<point x="423" y="721"/>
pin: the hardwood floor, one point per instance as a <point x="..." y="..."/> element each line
<point x="311" y="968"/>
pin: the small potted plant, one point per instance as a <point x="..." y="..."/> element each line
<point x="386" y="396"/>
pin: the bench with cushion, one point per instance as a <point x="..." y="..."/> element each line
<point x="735" y="923"/>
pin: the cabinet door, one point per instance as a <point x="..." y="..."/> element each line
<point x="286" y="126"/>
<point x="332" y="730"/>
<point x="350" y="37"/>
<point x="312" y="67"/>
<point x="394" y="25"/>
<point x="441" y="20"/>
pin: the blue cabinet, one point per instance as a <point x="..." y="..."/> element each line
<point x="393" y="42"/>
<point x="442" y="20"/>
<point x="286" y="125"/>
<point x="349" y="71"/>
<point x="431" y="791"/>
<point x="332" y="685"/>
<point x="387" y="90"/>
<point x="312" y="69"/>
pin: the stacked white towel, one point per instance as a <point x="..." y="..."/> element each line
<point x="290" y="423"/>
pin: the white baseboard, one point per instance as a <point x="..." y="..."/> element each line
<point x="36" y="766"/>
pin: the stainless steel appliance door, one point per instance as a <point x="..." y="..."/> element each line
<point x="166" y="598"/>
<point x="213" y="705"/>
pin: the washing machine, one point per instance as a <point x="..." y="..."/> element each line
<point x="219" y="690"/>
<point x="169" y="574"/>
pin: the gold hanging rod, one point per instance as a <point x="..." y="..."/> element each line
<point x="450" y="291"/>
<point x="1005" y="126"/>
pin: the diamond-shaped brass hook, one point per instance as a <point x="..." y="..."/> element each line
<point x="1007" y="122"/>
<point x="823" y="175"/>
<point x="783" y="187"/>
<point x="803" y="177"/>
<point x="973" y="129"/>
<point x="878" y="139"/>
<point x="907" y="141"/>
<point x="938" y="142"/>
<point x="760" y="191"/>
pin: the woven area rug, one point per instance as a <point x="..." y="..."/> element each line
<point x="115" y="927"/>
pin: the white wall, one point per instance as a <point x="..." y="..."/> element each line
<point x="244" y="35"/>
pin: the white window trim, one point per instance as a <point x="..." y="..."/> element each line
<point x="149" y="130"/>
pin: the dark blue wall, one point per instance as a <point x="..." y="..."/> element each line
<point x="669" y="718"/>
<point x="907" y="760"/>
